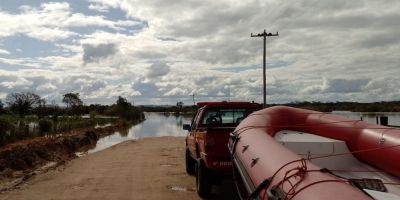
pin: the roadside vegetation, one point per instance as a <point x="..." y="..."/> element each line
<point x="384" y="106"/>
<point x="179" y="108"/>
<point x="390" y="106"/>
<point x="27" y="115"/>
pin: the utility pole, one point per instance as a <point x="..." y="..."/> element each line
<point x="229" y="93"/>
<point x="194" y="102"/>
<point x="264" y="35"/>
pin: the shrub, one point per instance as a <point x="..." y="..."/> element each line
<point x="92" y="114"/>
<point x="5" y="126"/>
<point x="45" y="126"/>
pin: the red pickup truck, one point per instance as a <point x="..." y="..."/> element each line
<point x="207" y="155"/>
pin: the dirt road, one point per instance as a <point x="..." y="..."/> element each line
<point x="151" y="168"/>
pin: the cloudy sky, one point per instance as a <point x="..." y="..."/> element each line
<point x="161" y="52"/>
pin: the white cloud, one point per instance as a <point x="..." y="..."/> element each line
<point x="326" y="51"/>
<point x="3" y="51"/>
<point x="98" y="7"/>
<point x="52" y="21"/>
<point x="177" y="92"/>
<point x="49" y="34"/>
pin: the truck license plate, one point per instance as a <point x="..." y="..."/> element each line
<point x="222" y="163"/>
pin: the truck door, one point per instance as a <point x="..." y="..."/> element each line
<point x="192" y="134"/>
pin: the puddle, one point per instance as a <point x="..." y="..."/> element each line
<point x="102" y="126"/>
<point x="80" y="154"/>
<point x="180" y="188"/>
<point x="168" y="165"/>
<point x="48" y="166"/>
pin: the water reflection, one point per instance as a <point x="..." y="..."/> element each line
<point x="170" y="124"/>
<point x="155" y="125"/>
<point x="160" y="125"/>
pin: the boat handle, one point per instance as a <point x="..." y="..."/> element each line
<point x="245" y="147"/>
<point x="254" y="162"/>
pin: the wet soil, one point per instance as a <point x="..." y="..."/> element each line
<point x="149" y="168"/>
<point x="22" y="160"/>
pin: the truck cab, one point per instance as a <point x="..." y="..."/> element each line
<point x="206" y="153"/>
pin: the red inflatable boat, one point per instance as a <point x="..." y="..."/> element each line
<point x="288" y="153"/>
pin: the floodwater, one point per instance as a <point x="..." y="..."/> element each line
<point x="393" y="117"/>
<point x="166" y="124"/>
<point x="155" y="125"/>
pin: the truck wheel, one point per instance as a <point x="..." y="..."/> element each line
<point x="190" y="163"/>
<point x="203" y="183"/>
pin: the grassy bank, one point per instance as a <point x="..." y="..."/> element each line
<point x="14" y="128"/>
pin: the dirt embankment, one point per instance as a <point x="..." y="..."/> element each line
<point x="151" y="168"/>
<point x="19" y="161"/>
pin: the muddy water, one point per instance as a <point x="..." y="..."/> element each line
<point x="160" y="124"/>
<point x="155" y="125"/>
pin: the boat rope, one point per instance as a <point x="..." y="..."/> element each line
<point x="330" y="171"/>
<point x="265" y="184"/>
<point x="311" y="184"/>
<point x="355" y="152"/>
<point x="346" y="180"/>
<point x="299" y="172"/>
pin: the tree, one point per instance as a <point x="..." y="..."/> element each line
<point x="179" y="105"/>
<point x="123" y="103"/>
<point x="41" y="109"/>
<point x="125" y="110"/>
<point x="123" y="107"/>
<point x="72" y="100"/>
<point x="2" y="107"/>
<point x="22" y="103"/>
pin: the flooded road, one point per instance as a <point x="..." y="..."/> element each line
<point x="168" y="124"/>
<point x="155" y="125"/>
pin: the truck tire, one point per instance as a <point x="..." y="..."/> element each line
<point x="203" y="182"/>
<point x="190" y="163"/>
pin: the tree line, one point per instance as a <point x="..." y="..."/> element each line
<point x="28" y="103"/>
<point x="25" y="103"/>
<point x="383" y="106"/>
<point x="20" y="110"/>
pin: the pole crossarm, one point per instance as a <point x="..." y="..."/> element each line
<point x="264" y="35"/>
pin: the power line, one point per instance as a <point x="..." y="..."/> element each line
<point x="264" y="35"/>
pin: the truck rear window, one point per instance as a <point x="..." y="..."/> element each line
<point x="225" y="117"/>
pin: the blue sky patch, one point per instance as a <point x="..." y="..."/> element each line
<point x="24" y="46"/>
<point x="9" y="67"/>
<point x="12" y="6"/>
